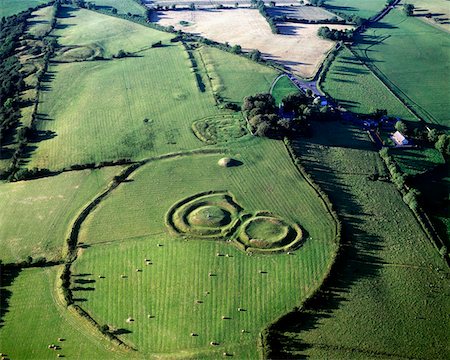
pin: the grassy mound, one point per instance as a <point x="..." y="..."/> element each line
<point x="78" y="53"/>
<point x="210" y="214"/>
<point x="267" y="233"/>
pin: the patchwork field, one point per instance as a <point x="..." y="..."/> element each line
<point x="33" y="300"/>
<point x="35" y="215"/>
<point x="388" y="294"/>
<point x="362" y="8"/>
<point x="297" y="47"/>
<point x="398" y="49"/>
<point x="355" y="87"/>
<point x="11" y="7"/>
<point x="210" y="286"/>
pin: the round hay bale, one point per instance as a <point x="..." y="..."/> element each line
<point x="130" y="320"/>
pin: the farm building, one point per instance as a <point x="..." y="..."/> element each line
<point x="399" y="138"/>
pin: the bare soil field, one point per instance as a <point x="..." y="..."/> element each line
<point x="297" y="47"/>
<point x="208" y="4"/>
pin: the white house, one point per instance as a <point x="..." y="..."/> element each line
<point x="399" y="139"/>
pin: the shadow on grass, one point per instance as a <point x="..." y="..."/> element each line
<point x="7" y="277"/>
<point x="357" y="259"/>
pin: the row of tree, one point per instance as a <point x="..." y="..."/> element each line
<point x="336" y="35"/>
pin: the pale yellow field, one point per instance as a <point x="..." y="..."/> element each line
<point x="297" y="47"/>
<point x="439" y="9"/>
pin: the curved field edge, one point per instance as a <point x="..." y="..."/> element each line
<point x="309" y="291"/>
<point x="42" y="303"/>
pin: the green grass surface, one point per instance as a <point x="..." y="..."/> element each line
<point x="282" y="88"/>
<point x="35" y="215"/>
<point x="413" y="57"/>
<point x="388" y="295"/>
<point x="40" y="23"/>
<point x="35" y="308"/>
<point x="11" y="7"/>
<point x="416" y="161"/>
<point x="363" y="8"/>
<point x="119" y="242"/>
<point x="355" y="87"/>
<point x="233" y="77"/>
<point x="122" y="6"/>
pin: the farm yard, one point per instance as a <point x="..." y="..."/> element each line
<point x="297" y="46"/>
<point x="162" y="198"/>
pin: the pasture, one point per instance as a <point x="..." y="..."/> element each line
<point x="416" y="161"/>
<point x="388" y="294"/>
<point x="36" y="215"/>
<point x="437" y="9"/>
<point x="353" y="86"/>
<point x="362" y="8"/>
<point x="35" y="307"/>
<point x="297" y="46"/>
<point x="398" y="49"/>
<point x="11" y="7"/>
<point x="282" y="88"/>
<point x="234" y="77"/>
<point x="301" y="12"/>
<point x="140" y="256"/>
<point x="40" y="22"/>
<point x="122" y="6"/>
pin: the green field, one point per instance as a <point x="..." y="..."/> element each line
<point x="122" y="6"/>
<point x="35" y="215"/>
<point x="413" y="58"/>
<point x="11" y="7"/>
<point x="363" y="8"/>
<point x="353" y="86"/>
<point x="282" y="88"/>
<point x="234" y="77"/>
<point x="388" y="295"/>
<point x="40" y="22"/>
<point x="416" y="161"/>
<point x="36" y="308"/>
<point x="120" y="241"/>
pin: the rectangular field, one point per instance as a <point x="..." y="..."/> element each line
<point x="355" y="87"/>
<point x="362" y="8"/>
<point x="297" y="46"/>
<point x="11" y="7"/>
<point x="413" y="58"/>
<point x="301" y="12"/>
<point x="122" y="6"/>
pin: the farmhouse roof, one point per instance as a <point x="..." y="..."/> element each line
<point x="399" y="138"/>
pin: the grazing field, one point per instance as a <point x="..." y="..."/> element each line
<point x="353" y="86"/>
<point x="297" y="47"/>
<point x="168" y="305"/>
<point x="388" y="294"/>
<point x="301" y="12"/>
<point x="362" y="8"/>
<point x="282" y="88"/>
<point x="234" y="77"/>
<point x="438" y="9"/>
<point x="34" y="307"/>
<point x="40" y="23"/>
<point x="35" y="215"/>
<point x="11" y="7"/>
<point x="399" y="49"/>
<point x="84" y="28"/>
<point x="122" y="6"/>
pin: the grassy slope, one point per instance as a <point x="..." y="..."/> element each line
<point x="11" y="7"/>
<point x="355" y="87"/>
<point x="389" y="296"/>
<point x="120" y="240"/>
<point x="35" y="215"/>
<point x="282" y="88"/>
<point x="235" y="77"/>
<point x="415" y="57"/>
<point x="363" y="8"/>
<point x="122" y="6"/>
<point x="35" y="309"/>
<point x="40" y="23"/>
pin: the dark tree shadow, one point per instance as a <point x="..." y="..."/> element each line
<point x="7" y="277"/>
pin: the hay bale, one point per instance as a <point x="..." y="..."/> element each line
<point x="138" y="270"/>
<point x="123" y="276"/>
<point x="194" y="334"/>
<point x="61" y="339"/>
<point x="214" y="343"/>
<point x="130" y="320"/>
<point x="243" y="331"/>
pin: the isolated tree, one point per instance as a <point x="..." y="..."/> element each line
<point x="255" y="55"/>
<point x="236" y="49"/>
<point x="174" y="6"/>
<point x="401" y="127"/>
<point x="236" y="5"/>
<point x="192" y="6"/>
<point x="408" y="9"/>
<point x="272" y="3"/>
